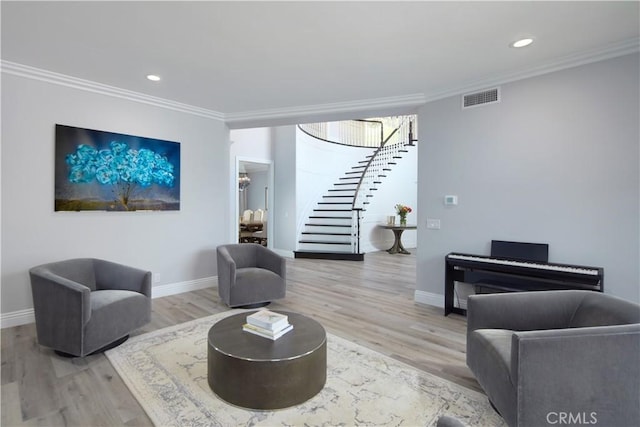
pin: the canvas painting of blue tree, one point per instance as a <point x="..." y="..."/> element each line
<point x="106" y="171"/>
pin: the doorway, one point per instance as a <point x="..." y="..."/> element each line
<point x="254" y="201"/>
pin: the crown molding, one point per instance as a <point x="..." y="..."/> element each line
<point x="393" y="104"/>
<point x="614" y="50"/>
<point x="233" y="120"/>
<point x="34" y="73"/>
<point x="405" y="104"/>
<point x="332" y="111"/>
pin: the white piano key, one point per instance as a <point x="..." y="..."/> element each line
<point x="566" y="269"/>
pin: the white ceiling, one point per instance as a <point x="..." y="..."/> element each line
<point x="237" y="57"/>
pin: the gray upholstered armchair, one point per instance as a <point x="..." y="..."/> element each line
<point x="250" y="275"/>
<point x="550" y="357"/>
<point x="85" y="305"/>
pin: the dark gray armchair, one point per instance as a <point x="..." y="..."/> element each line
<point x="84" y="305"/>
<point x="250" y="275"/>
<point x="550" y="357"/>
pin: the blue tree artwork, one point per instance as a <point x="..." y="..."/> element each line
<point x="98" y="170"/>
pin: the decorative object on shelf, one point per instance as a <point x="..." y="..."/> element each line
<point x="402" y="211"/>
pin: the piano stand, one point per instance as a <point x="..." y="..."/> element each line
<point x="497" y="286"/>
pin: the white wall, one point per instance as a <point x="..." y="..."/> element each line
<point x="555" y="162"/>
<point x="177" y="246"/>
<point x="284" y="188"/>
<point x="320" y="164"/>
<point x="254" y="143"/>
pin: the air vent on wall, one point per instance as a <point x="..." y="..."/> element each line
<point x="484" y="97"/>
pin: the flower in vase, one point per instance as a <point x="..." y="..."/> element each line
<point x="402" y="211"/>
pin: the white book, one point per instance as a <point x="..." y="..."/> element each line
<point x="263" y="333"/>
<point x="267" y="319"/>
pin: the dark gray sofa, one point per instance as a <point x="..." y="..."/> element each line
<point x="250" y="274"/>
<point x="82" y="305"/>
<point x="548" y="356"/>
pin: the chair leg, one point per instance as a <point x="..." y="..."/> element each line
<point x="100" y="350"/>
<point x="256" y="305"/>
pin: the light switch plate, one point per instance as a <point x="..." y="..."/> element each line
<point x="433" y="224"/>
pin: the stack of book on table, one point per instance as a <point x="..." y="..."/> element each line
<point x="268" y="324"/>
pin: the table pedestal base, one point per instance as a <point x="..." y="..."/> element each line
<point x="397" y="247"/>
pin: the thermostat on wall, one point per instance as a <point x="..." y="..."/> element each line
<point x="450" y="200"/>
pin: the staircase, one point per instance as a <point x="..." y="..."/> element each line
<point x="332" y="230"/>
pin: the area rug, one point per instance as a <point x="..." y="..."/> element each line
<point x="166" y="370"/>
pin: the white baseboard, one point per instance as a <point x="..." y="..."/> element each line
<point x="17" y="318"/>
<point x="436" y="300"/>
<point x="284" y="253"/>
<point x="23" y="317"/>
<point x="160" y="291"/>
<point x="429" y="298"/>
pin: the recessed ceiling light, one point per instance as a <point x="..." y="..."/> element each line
<point x="153" y="78"/>
<point x="522" y="42"/>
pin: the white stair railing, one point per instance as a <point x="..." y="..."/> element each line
<point x="382" y="161"/>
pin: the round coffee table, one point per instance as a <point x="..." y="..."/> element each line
<point x="255" y="372"/>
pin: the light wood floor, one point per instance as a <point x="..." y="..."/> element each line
<point x="368" y="302"/>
